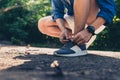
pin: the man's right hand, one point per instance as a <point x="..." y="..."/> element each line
<point x="64" y="37"/>
<point x="64" y="32"/>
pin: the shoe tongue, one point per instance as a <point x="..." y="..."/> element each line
<point x="69" y="44"/>
<point x="83" y="47"/>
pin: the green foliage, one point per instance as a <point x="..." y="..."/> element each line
<point x="19" y="19"/>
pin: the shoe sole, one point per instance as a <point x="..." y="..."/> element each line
<point x="82" y="53"/>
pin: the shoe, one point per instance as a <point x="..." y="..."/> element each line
<point x="71" y="49"/>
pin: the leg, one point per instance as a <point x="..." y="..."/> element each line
<point x="47" y="26"/>
<point x="92" y="19"/>
<point x="94" y="9"/>
<point x="88" y="18"/>
<point x="81" y="14"/>
<point x="86" y="15"/>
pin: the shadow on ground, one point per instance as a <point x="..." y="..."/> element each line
<point x="90" y="67"/>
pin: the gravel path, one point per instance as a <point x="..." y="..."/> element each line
<point x="31" y="63"/>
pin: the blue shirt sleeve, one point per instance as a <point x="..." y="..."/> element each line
<point x="57" y="9"/>
<point x="107" y="10"/>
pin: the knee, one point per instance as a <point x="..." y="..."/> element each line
<point x="90" y="20"/>
<point x="41" y="26"/>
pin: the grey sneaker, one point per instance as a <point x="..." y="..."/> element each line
<point x="70" y="49"/>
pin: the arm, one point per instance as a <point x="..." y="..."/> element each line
<point x="58" y="16"/>
<point x="64" y="32"/>
<point x="107" y="10"/>
<point x="106" y="13"/>
<point x="58" y="13"/>
<point x="105" y="16"/>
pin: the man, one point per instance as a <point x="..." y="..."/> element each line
<point x="75" y="23"/>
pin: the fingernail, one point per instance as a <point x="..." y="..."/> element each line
<point x="73" y="36"/>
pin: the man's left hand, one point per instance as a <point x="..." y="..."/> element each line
<point x="82" y="37"/>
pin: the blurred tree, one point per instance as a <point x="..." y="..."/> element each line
<point x="19" y="19"/>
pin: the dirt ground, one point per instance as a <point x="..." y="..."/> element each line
<point x="32" y="63"/>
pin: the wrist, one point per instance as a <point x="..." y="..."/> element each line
<point x="61" y="24"/>
<point x="87" y="32"/>
<point x="63" y="29"/>
<point x="91" y="29"/>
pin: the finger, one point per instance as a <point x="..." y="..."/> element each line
<point x="61" y="41"/>
<point x="76" y="37"/>
<point x="62" y="37"/>
<point x="81" y="42"/>
<point x="71" y="37"/>
<point x="90" y="38"/>
<point x="64" y="41"/>
<point x="78" y="40"/>
<point x="66" y="35"/>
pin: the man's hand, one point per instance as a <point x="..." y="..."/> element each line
<point x="82" y="37"/>
<point x="64" y="37"/>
